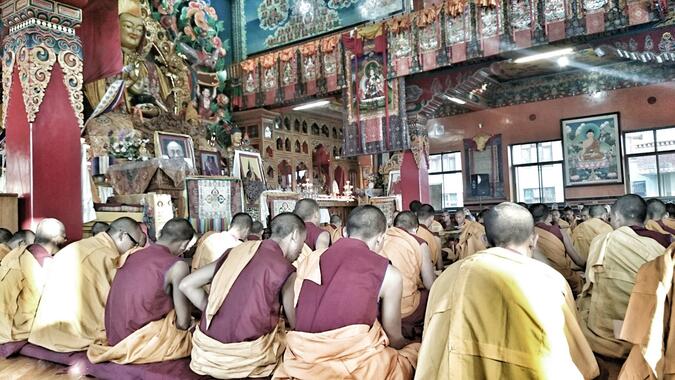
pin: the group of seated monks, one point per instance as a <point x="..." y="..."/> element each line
<point x="525" y="299"/>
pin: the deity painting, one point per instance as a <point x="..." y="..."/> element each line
<point x="401" y="44"/>
<point x="554" y="10"/>
<point x="489" y="22"/>
<point x="175" y="146"/>
<point x="591" y="148"/>
<point x="521" y="17"/>
<point x="455" y="30"/>
<point x="429" y="37"/>
<point x="210" y="163"/>
<point x="371" y="86"/>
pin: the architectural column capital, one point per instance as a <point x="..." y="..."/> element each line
<point x="65" y="15"/>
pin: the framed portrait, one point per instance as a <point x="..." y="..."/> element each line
<point x="209" y="163"/>
<point x="248" y="165"/>
<point x="592" y="150"/>
<point x="173" y="145"/>
<point x="394" y="184"/>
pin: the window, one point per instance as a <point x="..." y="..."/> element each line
<point x="650" y="159"/>
<point x="446" y="186"/>
<point x="538" y="172"/>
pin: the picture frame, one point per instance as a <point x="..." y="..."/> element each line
<point x="248" y="161"/>
<point x="394" y="183"/>
<point x="173" y="145"/>
<point x="210" y="163"/>
<point x="592" y="150"/>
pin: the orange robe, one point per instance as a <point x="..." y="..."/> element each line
<point x="405" y="254"/>
<point x="471" y="239"/>
<point x="433" y="241"/>
<point x="654" y="225"/>
<point x="584" y="234"/>
<point x="554" y="250"/>
<point x="212" y="247"/>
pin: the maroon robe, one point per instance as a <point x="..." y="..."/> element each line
<point x="552" y="228"/>
<point x="39" y="253"/>
<point x="251" y="308"/>
<point x="313" y="233"/>
<point x="662" y="239"/>
<point x="351" y="277"/>
<point x="419" y="239"/>
<point x="252" y="237"/>
<point x="137" y="295"/>
<point x="665" y="227"/>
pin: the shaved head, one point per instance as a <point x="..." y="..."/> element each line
<point x="415" y="205"/>
<point x="99" y="227"/>
<point x="656" y="209"/>
<point x="307" y="209"/>
<point x="126" y="234"/>
<point x="5" y="235"/>
<point x="257" y="228"/>
<point x="597" y="211"/>
<point x="177" y="230"/>
<point x="425" y="211"/>
<point x="335" y="220"/>
<point x="50" y="231"/>
<point x="406" y="220"/>
<point x="366" y="222"/>
<point x="26" y="237"/>
<point x="670" y="207"/>
<point x="285" y="223"/>
<point x="508" y="224"/>
<point x="540" y="212"/>
<point x="242" y="221"/>
<point x="126" y="224"/>
<point x="629" y="210"/>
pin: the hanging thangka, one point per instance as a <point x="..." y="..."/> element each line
<point x="331" y="67"/>
<point x="269" y="79"/>
<point x="400" y="46"/>
<point x="251" y="82"/>
<point x="288" y="69"/>
<point x="489" y="28"/>
<point x="309" y="67"/>
<point x="429" y="44"/>
<point x="522" y="20"/>
<point x="554" y="19"/>
<point x="375" y="123"/>
<point x="457" y="27"/>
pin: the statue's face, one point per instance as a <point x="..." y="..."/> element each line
<point x="236" y="138"/>
<point x="131" y="31"/>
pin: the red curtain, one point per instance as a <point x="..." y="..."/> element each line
<point x="100" y="35"/>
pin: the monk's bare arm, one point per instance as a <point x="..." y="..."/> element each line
<point x="428" y="273"/>
<point x="288" y="298"/>
<point x="193" y="285"/>
<point x="439" y="263"/>
<point x="390" y="294"/>
<point x="323" y="241"/>
<point x="574" y="255"/>
<point x="181" y="304"/>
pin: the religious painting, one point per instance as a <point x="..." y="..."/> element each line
<point x="591" y="149"/>
<point x="248" y="165"/>
<point x="267" y="24"/>
<point x="394" y="183"/>
<point x="210" y="163"/>
<point x="212" y="201"/>
<point x="175" y="146"/>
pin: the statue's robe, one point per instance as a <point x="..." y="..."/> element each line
<point x="23" y="272"/>
<point x="471" y="239"/>
<point x="502" y="315"/>
<point x="584" y="234"/>
<point x="212" y="248"/>
<point x="550" y="244"/>
<point x="313" y="233"/>
<point x="660" y="226"/>
<point x="241" y="333"/>
<point x="4" y="250"/>
<point x="433" y="241"/>
<point x="140" y="320"/>
<point x="613" y="263"/>
<point x="71" y="313"/>
<point x="335" y="341"/>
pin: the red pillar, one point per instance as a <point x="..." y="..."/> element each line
<point x="42" y="83"/>
<point x="414" y="179"/>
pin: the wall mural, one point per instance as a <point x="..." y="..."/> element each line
<point x="272" y="23"/>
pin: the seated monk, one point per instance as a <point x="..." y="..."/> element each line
<point x="613" y="262"/>
<point x="337" y="229"/>
<point x="571" y="219"/>
<point x="669" y="220"/>
<point x="471" y="237"/>
<point x="337" y="333"/>
<point x="22" y="237"/>
<point x="585" y="232"/>
<point x="656" y="213"/>
<point x="256" y="232"/>
<point x="308" y="210"/>
<point x="556" y="220"/>
<point x="410" y="255"/>
<point x="557" y="247"/>
<point x="213" y="246"/>
<point x="425" y="216"/>
<point x="146" y="314"/>
<point x="22" y="276"/>
<point x="241" y="333"/>
<point x="502" y="315"/>
<point x="585" y="214"/>
<point x="71" y="313"/>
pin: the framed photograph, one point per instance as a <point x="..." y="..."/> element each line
<point x="248" y="165"/>
<point x="592" y="150"/>
<point x="394" y="184"/>
<point x="173" y="145"/>
<point x="210" y="164"/>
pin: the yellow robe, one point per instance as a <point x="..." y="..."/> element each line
<point x="405" y="254"/>
<point x="554" y="250"/>
<point x="212" y="248"/>
<point x="433" y="242"/>
<point x="653" y="225"/>
<point x="501" y="315"/>
<point x="471" y="239"/>
<point x="21" y="282"/>
<point x="584" y="234"/>
<point x="436" y="227"/>
<point x="4" y="250"/>
<point x="612" y="266"/>
<point x="71" y="313"/>
<point x="670" y="222"/>
<point x="336" y="234"/>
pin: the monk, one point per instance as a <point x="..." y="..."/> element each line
<point x="471" y="237"/>
<point x="22" y="276"/>
<point x="557" y="247"/>
<point x="335" y="341"/>
<point x="337" y="230"/>
<point x="241" y="334"/>
<point x="99" y="227"/>
<point x="585" y="213"/>
<point x="670" y="219"/>
<point x="410" y="255"/>
<point x="571" y="218"/>
<point x="502" y="315"/>
<point x="425" y="217"/>
<point x="656" y="213"/>
<point x="414" y="206"/>
<point x="585" y="232"/>
<point x="71" y="313"/>
<point x="146" y="314"/>
<point x="308" y="210"/>
<point x="613" y="262"/>
<point x="256" y="232"/>
<point x="213" y="246"/>
<point x="22" y="237"/>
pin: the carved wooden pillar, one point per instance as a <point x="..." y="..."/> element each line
<point x="42" y="104"/>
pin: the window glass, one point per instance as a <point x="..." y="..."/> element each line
<point x="452" y="162"/>
<point x="524" y="154"/>
<point x="667" y="174"/>
<point x="665" y="139"/>
<point x="527" y="183"/>
<point x="639" y="142"/>
<point x="550" y="151"/>
<point x="453" y="190"/>
<point x="435" y="163"/>
<point x="436" y="190"/>
<point x="553" y="189"/>
<point x="643" y="176"/>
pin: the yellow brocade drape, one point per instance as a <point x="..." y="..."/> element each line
<point x="470" y="239"/>
<point x="554" y="250"/>
<point x="405" y="254"/>
<point x="584" y="234"/>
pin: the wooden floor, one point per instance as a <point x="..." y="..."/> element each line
<point x="26" y="368"/>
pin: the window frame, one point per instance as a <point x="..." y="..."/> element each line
<point x="539" y="165"/>
<point x="444" y="172"/>
<point x="656" y="153"/>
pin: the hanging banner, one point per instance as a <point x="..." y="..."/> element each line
<point x="331" y="63"/>
<point x="400" y="46"/>
<point x="522" y="22"/>
<point x="489" y="29"/>
<point x="288" y="64"/>
<point x="269" y="78"/>
<point x="428" y="25"/>
<point x="554" y="19"/>
<point x="309" y="67"/>
<point x="457" y="26"/>
<point x="251" y="82"/>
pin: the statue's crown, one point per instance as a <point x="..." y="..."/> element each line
<point x="130" y="6"/>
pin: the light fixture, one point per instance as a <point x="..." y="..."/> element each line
<point x="306" y="106"/>
<point x="563" y="61"/>
<point x="546" y="55"/>
<point x="453" y="99"/>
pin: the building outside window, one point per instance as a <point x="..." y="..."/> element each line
<point x="537" y="172"/>
<point x="446" y="187"/>
<point x="650" y="162"/>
